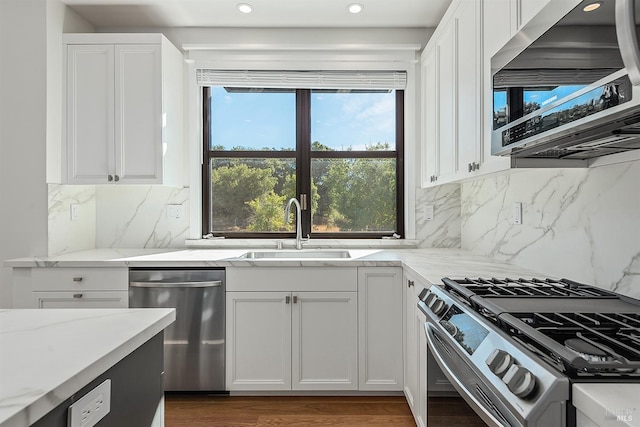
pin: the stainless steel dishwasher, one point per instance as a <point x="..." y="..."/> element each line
<point x="194" y="345"/>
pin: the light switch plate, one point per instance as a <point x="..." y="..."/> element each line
<point x="92" y="407"/>
<point x="517" y="213"/>
<point x="428" y="212"/>
<point x="75" y="211"/>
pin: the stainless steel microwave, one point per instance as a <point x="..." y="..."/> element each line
<point x="567" y="85"/>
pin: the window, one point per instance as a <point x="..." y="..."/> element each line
<point x="339" y="150"/>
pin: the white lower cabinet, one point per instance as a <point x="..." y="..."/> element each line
<point x="292" y="341"/>
<point x="314" y="329"/>
<point x="380" y="328"/>
<point x="421" y="405"/>
<point x="415" y="356"/>
<point x="291" y="329"/>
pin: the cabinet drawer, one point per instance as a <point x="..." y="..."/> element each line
<point x="79" y="279"/>
<point x="91" y="299"/>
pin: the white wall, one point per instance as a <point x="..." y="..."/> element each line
<point x="23" y="215"/>
<point x="27" y="97"/>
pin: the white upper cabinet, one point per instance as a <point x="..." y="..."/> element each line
<point x="452" y="96"/>
<point x="123" y="110"/>
<point x="457" y="100"/>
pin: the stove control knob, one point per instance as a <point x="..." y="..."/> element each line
<point x="499" y="362"/>
<point x="431" y="297"/>
<point x="520" y="381"/>
<point x="438" y="307"/>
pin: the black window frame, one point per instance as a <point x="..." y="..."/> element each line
<point x="303" y="156"/>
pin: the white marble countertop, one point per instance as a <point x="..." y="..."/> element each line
<point x="608" y="405"/>
<point x="430" y="263"/>
<point x="47" y="355"/>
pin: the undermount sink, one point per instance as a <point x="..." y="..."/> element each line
<point x="297" y="254"/>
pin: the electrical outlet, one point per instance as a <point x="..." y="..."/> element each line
<point x="92" y="407"/>
<point x="174" y="212"/>
<point x="517" y="213"/>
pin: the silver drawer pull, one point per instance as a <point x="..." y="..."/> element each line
<point x="77" y="279"/>
<point x="211" y="284"/>
<point x="77" y="295"/>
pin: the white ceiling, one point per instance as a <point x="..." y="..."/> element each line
<point x="266" y="13"/>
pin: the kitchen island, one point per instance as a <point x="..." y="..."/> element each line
<point x="49" y="359"/>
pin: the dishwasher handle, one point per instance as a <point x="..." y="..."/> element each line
<point x="209" y="284"/>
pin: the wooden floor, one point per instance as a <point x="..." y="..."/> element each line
<point x="218" y="411"/>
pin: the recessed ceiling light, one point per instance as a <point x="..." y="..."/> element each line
<point x="355" y="8"/>
<point x="592" y="6"/>
<point x="245" y="8"/>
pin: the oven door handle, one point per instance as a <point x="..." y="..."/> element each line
<point x="462" y="389"/>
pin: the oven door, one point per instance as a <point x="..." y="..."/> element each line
<point x="467" y="382"/>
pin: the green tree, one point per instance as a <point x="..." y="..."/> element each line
<point x="267" y="213"/>
<point x="233" y="186"/>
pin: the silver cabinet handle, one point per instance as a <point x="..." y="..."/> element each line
<point x="77" y="279"/>
<point x="77" y="296"/>
<point x="287" y="299"/>
<point x="410" y="283"/>
<point x="212" y="284"/>
<point x="295" y="299"/>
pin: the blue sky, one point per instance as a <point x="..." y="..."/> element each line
<point x="339" y="120"/>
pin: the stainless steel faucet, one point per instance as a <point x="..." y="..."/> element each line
<point x="287" y="213"/>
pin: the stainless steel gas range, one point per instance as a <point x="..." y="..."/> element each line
<point x="513" y="348"/>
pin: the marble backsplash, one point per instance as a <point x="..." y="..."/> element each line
<point x="582" y="224"/>
<point x="443" y="231"/>
<point x="67" y="234"/>
<point x="129" y="216"/>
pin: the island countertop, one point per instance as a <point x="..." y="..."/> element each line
<point x="47" y="355"/>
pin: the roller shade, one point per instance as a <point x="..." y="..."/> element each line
<point x="304" y="79"/>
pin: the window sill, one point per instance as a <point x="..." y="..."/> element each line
<point x="311" y="244"/>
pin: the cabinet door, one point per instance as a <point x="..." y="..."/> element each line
<point x="91" y="299"/>
<point x="468" y="72"/>
<point x="138" y="113"/>
<point x="430" y="121"/>
<point x="324" y="341"/>
<point x="258" y="354"/>
<point x="446" y="100"/>
<point x="421" y="414"/>
<point x="90" y="119"/>
<point x="380" y="328"/>
<point x="411" y="289"/>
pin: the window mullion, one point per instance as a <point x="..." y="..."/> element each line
<point x="303" y="148"/>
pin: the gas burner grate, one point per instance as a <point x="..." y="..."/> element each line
<point x="614" y="335"/>
<point x="524" y="288"/>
